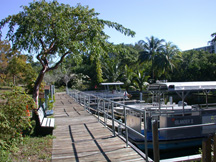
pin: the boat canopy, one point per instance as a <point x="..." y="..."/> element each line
<point x="113" y="83"/>
<point x="183" y="86"/>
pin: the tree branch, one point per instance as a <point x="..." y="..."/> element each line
<point x="43" y="45"/>
<point x="52" y="47"/>
<point x="57" y="64"/>
<point x="40" y="60"/>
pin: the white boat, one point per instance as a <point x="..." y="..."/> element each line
<point x="173" y="115"/>
<point x="111" y="91"/>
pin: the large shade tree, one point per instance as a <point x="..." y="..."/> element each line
<point x="50" y="29"/>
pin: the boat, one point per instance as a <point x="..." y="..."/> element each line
<point x="112" y="91"/>
<point x="180" y="125"/>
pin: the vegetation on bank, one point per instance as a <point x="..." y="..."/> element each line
<point x="17" y="139"/>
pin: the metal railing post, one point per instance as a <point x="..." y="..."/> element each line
<point x="98" y="107"/>
<point x="113" y="124"/>
<point x="104" y="110"/>
<point x="126" y="129"/>
<point x="89" y="102"/>
<point x="84" y="101"/>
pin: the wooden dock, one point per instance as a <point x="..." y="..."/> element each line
<point x="80" y="137"/>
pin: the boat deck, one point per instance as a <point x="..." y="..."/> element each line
<point x="80" y="137"/>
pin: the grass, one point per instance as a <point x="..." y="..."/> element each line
<point x="33" y="149"/>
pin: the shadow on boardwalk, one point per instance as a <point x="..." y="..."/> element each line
<point x="80" y="137"/>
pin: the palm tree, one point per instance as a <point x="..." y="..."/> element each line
<point x="164" y="62"/>
<point x="111" y="70"/>
<point x="127" y="77"/>
<point x="140" y="79"/>
<point x="152" y="48"/>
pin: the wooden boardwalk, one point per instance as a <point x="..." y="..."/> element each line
<point x="80" y="137"/>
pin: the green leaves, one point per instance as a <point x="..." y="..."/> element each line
<point x="50" y="28"/>
<point x="13" y="115"/>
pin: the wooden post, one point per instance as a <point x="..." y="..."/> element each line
<point x="214" y="147"/>
<point x="206" y="150"/>
<point x="156" y="150"/>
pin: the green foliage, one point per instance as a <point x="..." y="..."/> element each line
<point x="195" y="66"/>
<point x="127" y="77"/>
<point x="151" y="50"/>
<point x="165" y="61"/>
<point x="112" y="70"/>
<point x="6" y="55"/>
<point x="30" y="85"/>
<point x="19" y="69"/>
<point x="50" y="29"/>
<point x="51" y="102"/>
<point x="80" y="82"/>
<point x="14" y="119"/>
<point x="140" y="79"/>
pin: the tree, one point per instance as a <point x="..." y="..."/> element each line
<point x="152" y="48"/>
<point x="165" y="61"/>
<point x="52" y="77"/>
<point x="195" y="66"/>
<point x="140" y="79"/>
<point x="50" y="29"/>
<point x="6" y="54"/>
<point x="127" y="55"/>
<point x="67" y="76"/>
<point x="214" y="38"/>
<point x="127" y="77"/>
<point x="18" y="68"/>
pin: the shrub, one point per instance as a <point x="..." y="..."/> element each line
<point x="14" y="117"/>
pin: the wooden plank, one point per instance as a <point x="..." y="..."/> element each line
<point x="52" y="122"/>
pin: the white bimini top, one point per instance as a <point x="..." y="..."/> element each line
<point x="183" y="86"/>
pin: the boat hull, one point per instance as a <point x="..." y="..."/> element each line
<point x="172" y="144"/>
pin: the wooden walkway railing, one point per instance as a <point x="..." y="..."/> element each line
<point x="80" y="137"/>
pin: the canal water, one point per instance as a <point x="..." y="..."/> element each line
<point x="191" y="99"/>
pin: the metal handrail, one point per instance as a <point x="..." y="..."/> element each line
<point x="186" y="126"/>
<point x="104" y="104"/>
<point x="79" y="98"/>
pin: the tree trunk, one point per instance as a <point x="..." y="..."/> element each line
<point x="37" y="85"/>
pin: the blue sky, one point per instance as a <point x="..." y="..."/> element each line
<point x="186" y="23"/>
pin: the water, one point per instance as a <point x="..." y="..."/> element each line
<point x="179" y="153"/>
